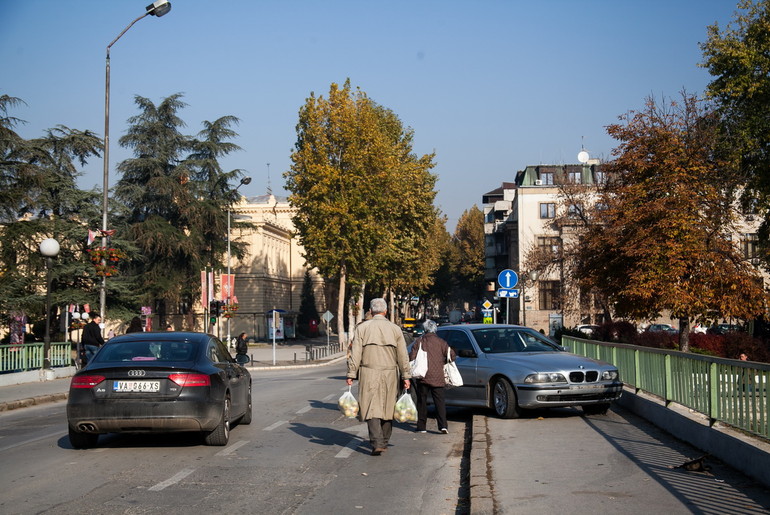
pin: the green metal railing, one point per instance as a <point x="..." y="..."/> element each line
<point x="29" y="356"/>
<point x="726" y="390"/>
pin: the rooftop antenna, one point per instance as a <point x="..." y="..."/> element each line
<point x="269" y="188"/>
<point x="583" y="156"/>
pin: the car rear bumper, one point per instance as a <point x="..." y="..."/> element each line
<point x="572" y="395"/>
<point x="143" y="416"/>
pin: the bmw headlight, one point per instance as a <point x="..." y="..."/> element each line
<point x="550" y="377"/>
<point x="610" y="375"/>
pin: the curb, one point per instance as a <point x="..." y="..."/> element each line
<point x="32" y="401"/>
<point x="482" y="500"/>
<point x="290" y="367"/>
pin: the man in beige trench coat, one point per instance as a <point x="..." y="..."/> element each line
<point x="378" y="359"/>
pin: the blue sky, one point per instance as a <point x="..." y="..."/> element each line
<point x="490" y="86"/>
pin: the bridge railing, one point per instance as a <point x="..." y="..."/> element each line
<point x="726" y="390"/>
<point x="29" y="356"/>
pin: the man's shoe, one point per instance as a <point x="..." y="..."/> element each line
<point x="378" y="451"/>
<point x="444" y="430"/>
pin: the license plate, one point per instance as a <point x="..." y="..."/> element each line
<point x="136" y="386"/>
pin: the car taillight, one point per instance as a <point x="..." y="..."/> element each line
<point x="86" y="381"/>
<point x="190" y="379"/>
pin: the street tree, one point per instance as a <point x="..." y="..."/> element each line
<point x="41" y="200"/>
<point x="663" y="241"/>
<point x="175" y="197"/>
<point x="738" y="58"/>
<point x="352" y="180"/>
<point x="468" y="242"/>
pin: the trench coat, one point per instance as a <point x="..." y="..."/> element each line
<point x="379" y="360"/>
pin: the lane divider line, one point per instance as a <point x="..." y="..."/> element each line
<point x="232" y="448"/>
<point x="277" y="424"/>
<point x="172" y="480"/>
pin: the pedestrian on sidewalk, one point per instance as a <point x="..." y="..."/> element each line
<point x="242" y="345"/>
<point x="433" y="382"/>
<point x="135" y="326"/>
<point x="378" y="359"/>
<point x="92" y="337"/>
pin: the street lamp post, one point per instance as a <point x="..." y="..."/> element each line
<point x="157" y="8"/>
<point x="244" y="181"/>
<point x="50" y="249"/>
<point x="531" y="279"/>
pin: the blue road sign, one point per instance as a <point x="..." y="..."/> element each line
<point x="507" y="279"/>
<point x="513" y="294"/>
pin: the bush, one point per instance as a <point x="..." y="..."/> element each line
<point x="619" y="332"/>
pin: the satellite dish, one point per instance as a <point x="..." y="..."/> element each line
<point x="583" y="156"/>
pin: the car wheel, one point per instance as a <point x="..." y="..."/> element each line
<point x="82" y="440"/>
<point x="596" y="409"/>
<point x="221" y="434"/>
<point x="246" y="418"/>
<point x="504" y="399"/>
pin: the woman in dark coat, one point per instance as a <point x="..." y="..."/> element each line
<point x="433" y="382"/>
<point x="135" y="326"/>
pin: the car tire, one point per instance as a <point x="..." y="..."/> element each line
<point x="82" y="440"/>
<point x="246" y="418"/>
<point x="221" y="434"/>
<point x="596" y="409"/>
<point x="504" y="399"/>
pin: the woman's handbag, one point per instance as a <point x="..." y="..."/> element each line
<point x="451" y="374"/>
<point x="419" y="365"/>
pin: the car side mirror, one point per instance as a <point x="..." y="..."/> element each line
<point x="467" y="353"/>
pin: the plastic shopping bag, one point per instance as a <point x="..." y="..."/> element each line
<point x="419" y="365"/>
<point x="406" y="411"/>
<point x="348" y="404"/>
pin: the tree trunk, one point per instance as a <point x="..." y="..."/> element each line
<point x="341" y="308"/>
<point x="361" y="307"/>
<point x="684" y="334"/>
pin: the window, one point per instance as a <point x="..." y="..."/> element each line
<point x="458" y="340"/>
<point x="549" y="243"/>
<point x="575" y="177"/>
<point x="600" y="177"/>
<point x="749" y="245"/>
<point x="549" y="295"/>
<point x="548" y="210"/>
<point x="546" y="177"/>
<point x="574" y="210"/>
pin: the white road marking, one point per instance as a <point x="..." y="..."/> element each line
<point x="58" y="432"/>
<point x="355" y="442"/>
<point x="172" y="480"/>
<point x="232" y="448"/>
<point x="277" y="424"/>
<point x="329" y="397"/>
<point x="305" y="409"/>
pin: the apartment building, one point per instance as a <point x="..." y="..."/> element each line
<point x="519" y="216"/>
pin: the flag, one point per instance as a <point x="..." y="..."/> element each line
<point x="91" y="237"/>
<point x="86" y="308"/>
<point x="227" y="281"/>
<point x="204" y="291"/>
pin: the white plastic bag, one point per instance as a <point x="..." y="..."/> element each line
<point x="348" y="404"/>
<point x="419" y="365"/>
<point x="452" y="375"/>
<point x="405" y="411"/>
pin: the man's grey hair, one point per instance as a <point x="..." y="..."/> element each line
<point x="378" y="306"/>
<point x="430" y="326"/>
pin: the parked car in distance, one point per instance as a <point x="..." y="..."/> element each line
<point x="159" y="382"/>
<point x="588" y="329"/>
<point x="661" y="328"/>
<point x="509" y="368"/>
<point x="723" y="329"/>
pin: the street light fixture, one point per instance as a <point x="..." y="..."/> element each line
<point x="531" y="279"/>
<point x="49" y="248"/>
<point x="244" y="181"/>
<point x="157" y="8"/>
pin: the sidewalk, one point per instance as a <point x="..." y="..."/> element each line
<point x="289" y="355"/>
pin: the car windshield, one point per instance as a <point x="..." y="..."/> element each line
<point x="146" y="351"/>
<point x="501" y="340"/>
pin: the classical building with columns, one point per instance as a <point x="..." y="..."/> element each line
<point x="271" y="274"/>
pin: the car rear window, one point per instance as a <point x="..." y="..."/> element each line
<point x="146" y="351"/>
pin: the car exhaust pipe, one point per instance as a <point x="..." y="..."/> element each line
<point x="86" y="428"/>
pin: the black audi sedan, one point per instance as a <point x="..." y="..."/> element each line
<point x="159" y="382"/>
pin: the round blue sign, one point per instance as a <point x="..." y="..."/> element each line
<point x="508" y="279"/>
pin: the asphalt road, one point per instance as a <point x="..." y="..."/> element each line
<point x="299" y="455"/>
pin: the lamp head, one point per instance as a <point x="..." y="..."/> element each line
<point x="159" y="8"/>
<point x="245" y="180"/>
<point x="533" y="275"/>
<point x="49" y="247"/>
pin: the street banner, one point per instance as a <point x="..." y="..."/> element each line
<point x="227" y="281"/>
<point x="210" y="288"/>
<point x="204" y="291"/>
